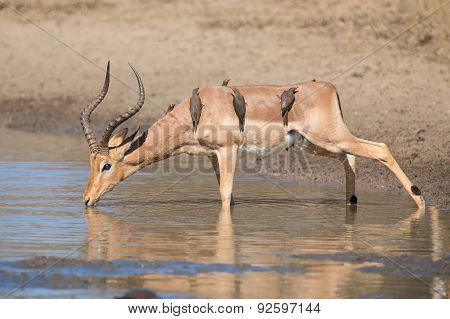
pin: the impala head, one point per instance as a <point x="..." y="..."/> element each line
<point x="108" y="157"/>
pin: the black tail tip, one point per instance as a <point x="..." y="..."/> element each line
<point x="353" y="200"/>
<point x="415" y="190"/>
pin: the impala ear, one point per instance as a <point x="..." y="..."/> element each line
<point x="119" y="151"/>
<point x="132" y="136"/>
<point x="136" y="143"/>
<point x="118" y="138"/>
<point x="123" y="150"/>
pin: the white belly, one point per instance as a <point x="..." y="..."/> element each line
<point x="290" y="139"/>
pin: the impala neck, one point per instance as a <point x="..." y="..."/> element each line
<point x="164" y="139"/>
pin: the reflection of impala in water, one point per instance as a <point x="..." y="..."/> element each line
<point x="228" y="119"/>
<point x="147" y="241"/>
<point x="171" y="241"/>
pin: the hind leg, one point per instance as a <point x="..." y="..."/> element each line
<point x="349" y="163"/>
<point x="350" y="179"/>
<point x="381" y="153"/>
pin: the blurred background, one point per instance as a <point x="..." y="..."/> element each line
<point x="398" y="96"/>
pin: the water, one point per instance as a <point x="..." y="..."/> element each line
<point x="165" y="232"/>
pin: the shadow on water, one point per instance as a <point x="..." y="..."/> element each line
<point x="179" y="244"/>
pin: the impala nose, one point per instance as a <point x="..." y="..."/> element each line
<point x="86" y="202"/>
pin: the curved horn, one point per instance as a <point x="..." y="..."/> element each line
<point x="125" y="116"/>
<point x="85" y="117"/>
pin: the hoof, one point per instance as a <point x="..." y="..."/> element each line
<point x="353" y="200"/>
<point x="415" y="190"/>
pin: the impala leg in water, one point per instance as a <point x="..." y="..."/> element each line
<point x="349" y="162"/>
<point x="215" y="164"/>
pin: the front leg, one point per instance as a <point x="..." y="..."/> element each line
<point x="215" y="164"/>
<point x="227" y="157"/>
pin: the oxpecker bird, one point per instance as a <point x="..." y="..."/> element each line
<point x="239" y="107"/>
<point x="225" y="82"/>
<point x="287" y="100"/>
<point x="171" y="107"/>
<point x="195" y="106"/>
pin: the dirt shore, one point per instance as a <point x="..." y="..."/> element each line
<point x="399" y="95"/>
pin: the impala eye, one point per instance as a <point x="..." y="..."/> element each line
<point x="106" y="167"/>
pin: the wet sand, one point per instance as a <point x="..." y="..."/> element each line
<point x="398" y="96"/>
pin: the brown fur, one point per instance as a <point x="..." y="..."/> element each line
<point x="315" y="115"/>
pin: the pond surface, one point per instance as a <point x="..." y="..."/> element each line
<point x="166" y="232"/>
